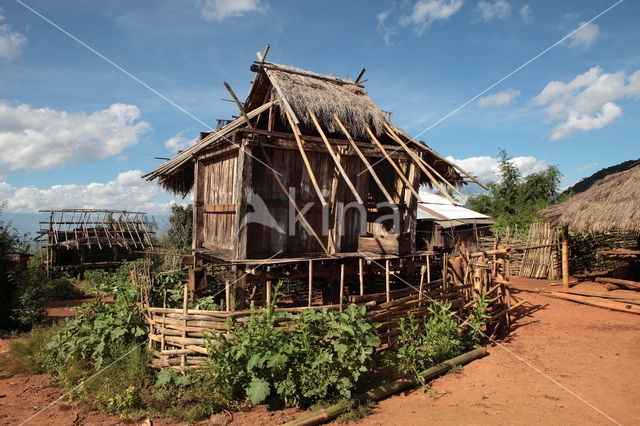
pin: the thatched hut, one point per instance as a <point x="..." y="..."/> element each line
<point x="611" y="204"/>
<point x="303" y="137"/>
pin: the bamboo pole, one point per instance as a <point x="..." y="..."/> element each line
<point x="335" y="158"/>
<point x="387" y="280"/>
<point x="361" y="275"/>
<point x="372" y="172"/>
<point x="341" y="285"/>
<point x="227" y="296"/>
<point x="296" y="132"/>
<point x="565" y="257"/>
<point x="310" y="282"/>
<point x="380" y="392"/>
<point x="393" y="164"/>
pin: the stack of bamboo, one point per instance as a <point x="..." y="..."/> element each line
<point x="540" y="258"/>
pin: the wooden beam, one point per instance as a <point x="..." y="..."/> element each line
<point x="307" y="164"/>
<point x="238" y="104"/>
<point x="283" y="99"/>
<point x="335" y="158"/>
<point x="219" y="208"/>
<point x="393" y="163"/>
<point x="364" y="160"/>
<point x="423" y="165"/>
<point x="292" y="201"/>
<point x="416" y="158"/>
<point x="440" y="157"/>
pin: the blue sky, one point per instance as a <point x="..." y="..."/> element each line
<point x="77" y="132"/>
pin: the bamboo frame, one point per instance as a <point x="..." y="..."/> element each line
<point x="374" y="175"/>
<point x="335" y="158"/>
<point x="305" y="159"/>
<point x="393" y="164"/>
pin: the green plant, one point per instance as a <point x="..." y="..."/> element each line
<point x="424" y="343"/>
<point x="293" y="359"/>
<point x="92" y="335"/>
<point x="473" y="333"/>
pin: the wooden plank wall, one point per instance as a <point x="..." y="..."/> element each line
<point x="219" y="189"/>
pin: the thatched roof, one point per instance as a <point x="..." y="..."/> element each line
<point x="278" y="87"/>
<point x="307" y="90"/>
<point x="612" y="203"/>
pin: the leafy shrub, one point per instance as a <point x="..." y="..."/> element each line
<point x="91" y="336"/>
<point x="293" y="359"/>
<point x="436" y="338"/>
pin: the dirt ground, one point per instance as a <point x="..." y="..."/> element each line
<point x="564" y="363"/>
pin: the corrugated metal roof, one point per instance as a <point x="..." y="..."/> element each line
<point x="438" y="208"/>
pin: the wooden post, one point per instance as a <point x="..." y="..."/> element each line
<point x="185" y="311"/>
<point x="361" y="275"/>
<point x="428" y="269"/>
<point x="268" y="292"/>
<point x="423" y="269"/>
<point x="565" y="257"/>
<point x="387" y="280"/>
<point x="310" y="282"/>
<point x="445" y="266"/>
<point x="227" y="295"/>
<point x="341" y="285"/>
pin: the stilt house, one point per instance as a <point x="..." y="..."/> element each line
<point x="314" y="147"/>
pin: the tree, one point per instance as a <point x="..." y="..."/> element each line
<point x="515" y="200"/>
<point x="179" y="234"/>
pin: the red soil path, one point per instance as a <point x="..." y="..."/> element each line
<point x="591" y="351"/>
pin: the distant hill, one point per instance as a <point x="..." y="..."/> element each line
<point x="587" y="182"/>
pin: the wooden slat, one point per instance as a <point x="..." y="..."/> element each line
<point x="292" y="201"/>
<point x="219" y="208"/>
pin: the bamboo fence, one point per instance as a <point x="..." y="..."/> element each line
<point x="178" y="336"/>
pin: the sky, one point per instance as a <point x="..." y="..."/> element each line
<point x="82" y="119"/>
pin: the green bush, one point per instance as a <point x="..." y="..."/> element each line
<point x="423" y="343"/>
<point x="294" y="360"/>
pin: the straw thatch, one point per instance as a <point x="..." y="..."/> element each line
<point x="612" y="203"/>
<point x="351" y="102"/>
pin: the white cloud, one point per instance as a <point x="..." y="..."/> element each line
<point x="500" y="99"/>
<point x="486" y="168"/>
<point x="425" y="12"/>
<point x="500" y="9"/>
<point x="588" y="166"/>
<point x="588" y="101"/>
<point x="526" y="14"/>
<point x="44" y="138"/>
<point x="585" y="37"/>
<point x="11" y="42"/>
<point x="127" y="191"/>
<point x="219" y="10"/>
<point x="386" y="31"/>
<point x="178" y="143"/>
